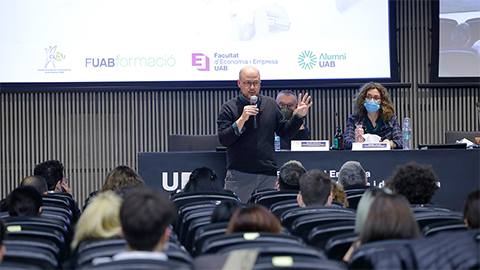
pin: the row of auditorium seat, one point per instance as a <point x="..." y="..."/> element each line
<point x="328" y="231"/>
<point x="314" y="225"/>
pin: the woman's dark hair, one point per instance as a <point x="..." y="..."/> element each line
<point x="386" y="105"/>
<point x="224" y="211"/>
<point x="472" y="209"/>
<point x="204" y="179"/>
<point x="254" y="218"/>
<point x="390" y="217"/>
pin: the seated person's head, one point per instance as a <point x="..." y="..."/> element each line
<point x="390" y="217"/>
<point x="52" y="171"/>
<point x="204" y="179"/>
<point x="416" y="182"/>
<point x="461" y="35"/>
<point x="145" y="216"/>
<point x="287" y="101"/>
<point x="315" y="189"/>
<point x="254" y="218"/>
<point x="364" y="206"/>
<point x="25" y="201"/>
<point x="36" y="181"/>
<point x="338" y="194"/>
<point x="224" y="211"/>
<point x="122" y="176"/>
<point x="101" y="219"/>
<point x="471" y="211"/>
<point x="289" y="176"/>
<point x="352" y="175"/>
<point x="3" y="233"/>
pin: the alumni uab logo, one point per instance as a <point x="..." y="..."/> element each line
<point x="307" y="60"/>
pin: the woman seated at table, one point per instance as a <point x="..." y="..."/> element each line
<point x="374" y="111"/>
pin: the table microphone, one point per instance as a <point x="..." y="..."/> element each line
<point x="254" y="100"/>
<point x="478" y="112"/>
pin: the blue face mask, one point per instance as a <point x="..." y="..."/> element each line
<point x="372" y="106"/>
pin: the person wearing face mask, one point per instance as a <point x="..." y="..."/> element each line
<point x="374" y="111"/>
<point x="287" y="101"/>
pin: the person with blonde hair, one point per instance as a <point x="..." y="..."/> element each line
<point x="120" y="177"/>
<point x="338" y="194"/>
<point x="99" y="221"/>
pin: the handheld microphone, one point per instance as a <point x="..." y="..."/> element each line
<point x="254" y="100"/>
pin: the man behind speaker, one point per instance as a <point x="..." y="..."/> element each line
<point x="287" y="100"/>
<point x="251" y="162"/>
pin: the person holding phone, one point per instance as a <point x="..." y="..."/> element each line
<point x="52" y="171"/>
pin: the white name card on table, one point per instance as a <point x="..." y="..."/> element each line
<point x="310" y="146"/>
<point x="370" y="146"/>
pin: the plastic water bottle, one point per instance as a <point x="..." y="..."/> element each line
<point x="358" y="134"/>
<point x="407" y="133"/>
<point x="277" y="142"/>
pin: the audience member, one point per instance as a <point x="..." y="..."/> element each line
<point x="254" y="218"/>
<point x="364" y="206"/>
<point x="289" y="176"/>
<point x="315" y="189"/>
<point x="3" y="234"/>
<point x="287" y="101"/>
<point x="99" y="221"/>
<point x="471" y="211"/>
<point x="390" y="217"/>
<point x="224" y="211"/>
<point x="416" y="182"/>
<point x="120" y="177"/>
<point x="36" y="181"/>
<point x="25" y="201"/>
<point x="374" y="112"/>
<point x="145" y="217"/>
<point x="352" y="176"/>
<point x="204" y="179"/>
<point x="338" y="194"/>
<point x="461" y="35"/>
<point x="52" y="171"/>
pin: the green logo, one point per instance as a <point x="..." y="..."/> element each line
<point x="307" y="60"/>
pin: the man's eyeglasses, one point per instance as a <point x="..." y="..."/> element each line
<point x="289" y="105"/>
<point x="254" y="83"/>
<point x="376" y="98"/>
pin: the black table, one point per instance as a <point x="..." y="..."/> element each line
<point x="458" y="170"/>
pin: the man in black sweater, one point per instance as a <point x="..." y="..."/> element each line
<point x="251" y="162"/>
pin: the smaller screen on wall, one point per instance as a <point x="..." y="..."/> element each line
<point x="459" y="39"/>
